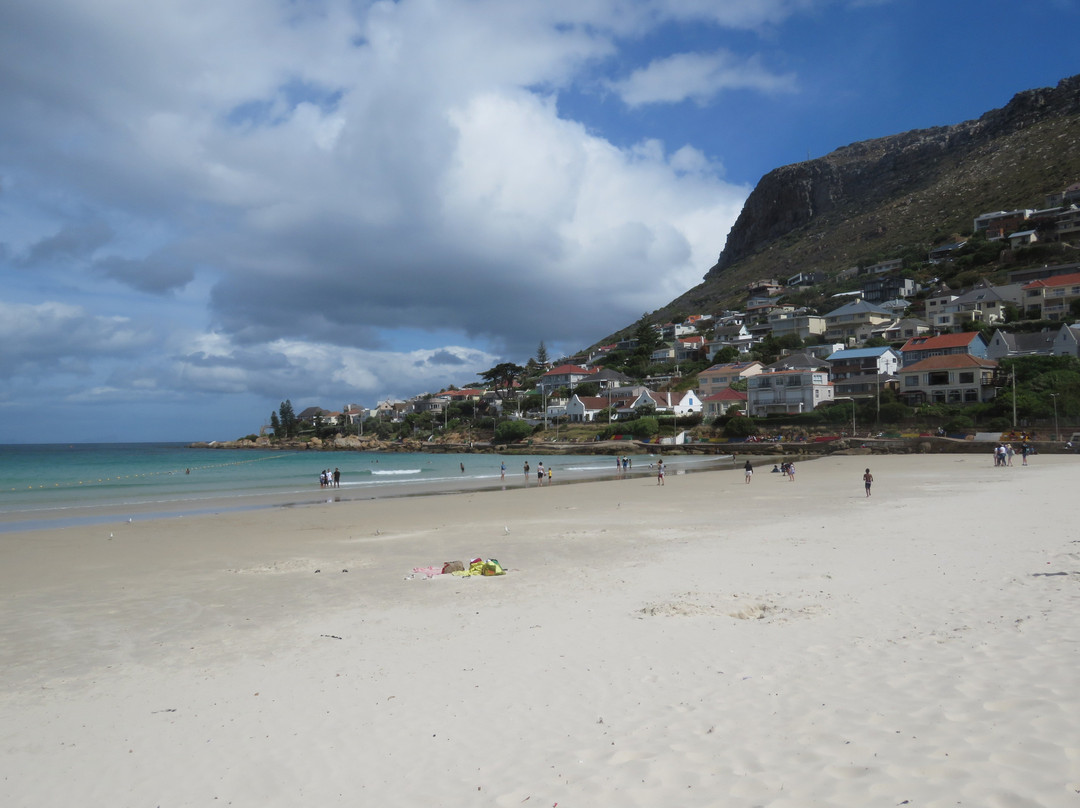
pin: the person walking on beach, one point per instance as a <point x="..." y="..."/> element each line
<point x="748" y="469"/>
<point x="526" y="473"/>
<point x="660" y="471"/>
<point x="540" y="473"/>
<point x="502" y="471"/>
<point x="868" y="480"/>
<point x="337" y="478"/>
<point x="791" y="472"/>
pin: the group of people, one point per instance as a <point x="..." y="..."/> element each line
<point x="785" y="468"/>
<point x="541" y="473"/>
<point x="1003" y="454"/>
<point x="330" y="479"/>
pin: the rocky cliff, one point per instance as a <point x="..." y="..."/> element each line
<point x="867" y="175"/>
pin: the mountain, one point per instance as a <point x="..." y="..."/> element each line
<point x="895" y="196"/>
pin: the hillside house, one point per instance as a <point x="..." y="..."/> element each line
<point x="880" y="289"/>
<point x="919" y="348"/>
<point x="1067" y="341"/>
<point x="998" y="224"/>
<point x="787" y="391"/>
<point x="882" y="267"/>
<point x="863" y="361"/>
<point x="943" y="253"/>
<point x="731" y="336"/>
<point x="1004" y="344"/>
<point x="585" y="409"/>
<point x="720" y="377"/>
<point x="1050" y="298"/>
<point x="904" y="329"/>
<point x="721" y="402"/>
<point x="568" y="376"/>
<point x="868" y="386"/>
<point x="797" y="322"/>
<point x="799" y="361"/>
<point x="936" y="304"/>
<point x="948" y="379"/>
<point x="984" y="303"/>
<point x="854" y="322"/>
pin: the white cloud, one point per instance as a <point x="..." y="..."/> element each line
<point x="55" y="336"/>
<point x="361" y="187"/>
<point x="698" y="77"/>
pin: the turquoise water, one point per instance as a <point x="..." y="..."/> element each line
<point x="42" y="483"/>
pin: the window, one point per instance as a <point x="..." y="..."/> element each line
<point x="971" y="396"/>
<point x="966" y="377"/>
<point x="911" y="381"/>
<point x="937" y="377"/>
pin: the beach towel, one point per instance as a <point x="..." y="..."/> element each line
<point x="428" y="572"/>
<point x="480" y="567"/>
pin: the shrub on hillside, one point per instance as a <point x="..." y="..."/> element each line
<point x="740" y="426"/>
<point x="512" y="431"/>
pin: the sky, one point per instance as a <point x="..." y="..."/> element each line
<point x="207" y="208"/>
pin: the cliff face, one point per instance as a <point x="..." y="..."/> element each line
<point x="863" y="175"/>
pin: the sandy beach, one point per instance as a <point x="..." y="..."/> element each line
<point x="702" y="643"/>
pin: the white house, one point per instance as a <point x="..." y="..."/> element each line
<point x="948" y="379"/>
<point x="1067" y="341"/>
<point x="788" y="391"/>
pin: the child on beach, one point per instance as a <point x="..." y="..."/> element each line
<point x="749" y="470"/>
<point x="660" y="472"/>
<point x="868" y="478"/>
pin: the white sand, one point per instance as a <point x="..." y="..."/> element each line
<point x="705" y="643"/>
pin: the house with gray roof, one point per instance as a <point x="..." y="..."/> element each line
<point x="862" y="361"/>
<point x="1004" y="344"/>
<point x="853" y="323"/>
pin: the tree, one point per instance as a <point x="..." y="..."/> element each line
<point x="287" y="417"/>
<point x="789" y="342"/>
<point x="542" y="353"/>
<point x="501" y="378"/>
<point x="767" y="350"/>
<point x="275" y="424"/>
<point x="648" y="338"/>
<point x="726" y="355"/>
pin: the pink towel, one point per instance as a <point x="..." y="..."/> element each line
<point x="430" y="572"/>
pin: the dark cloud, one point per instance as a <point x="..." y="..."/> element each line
<point x="154" y="275"/>
<point x="74" y="242"/>
<point x="446" y="358"/>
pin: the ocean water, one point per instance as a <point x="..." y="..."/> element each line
<point x="41" y="485"/>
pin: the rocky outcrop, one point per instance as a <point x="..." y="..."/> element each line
<point x="861" y="175"/>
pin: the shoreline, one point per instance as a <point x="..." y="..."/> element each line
<point x="45" y="518"/>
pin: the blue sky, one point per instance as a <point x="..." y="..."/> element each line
<point x="206" y="208"/>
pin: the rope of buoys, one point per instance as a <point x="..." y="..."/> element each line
<point x="144" y="474"/>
